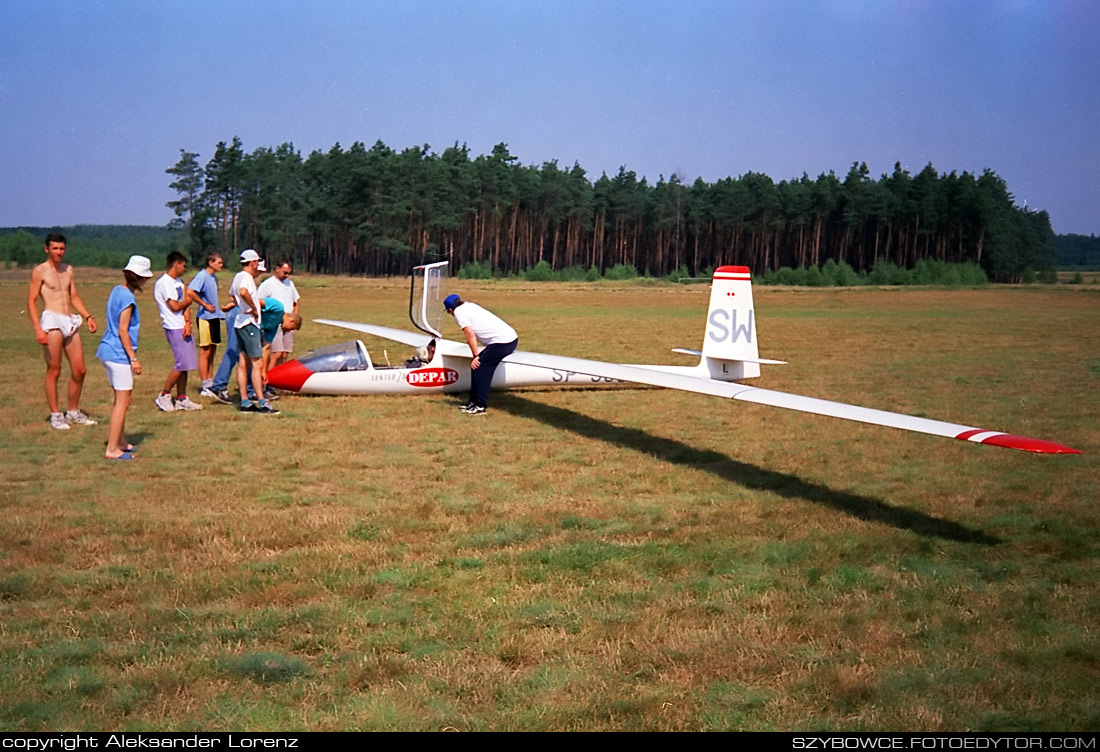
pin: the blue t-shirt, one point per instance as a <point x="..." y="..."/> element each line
<point x="270" y="318"/>
<point x="206" y="285"/>
<point x="110" y="348"/>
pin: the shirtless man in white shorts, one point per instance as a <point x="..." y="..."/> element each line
<point x="58" y="329"/>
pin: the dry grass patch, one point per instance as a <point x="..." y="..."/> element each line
<point x="591" y="559"/>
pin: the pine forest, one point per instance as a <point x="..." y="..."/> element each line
<point x="377" y="211"/>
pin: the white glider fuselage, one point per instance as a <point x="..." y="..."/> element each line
<point x="443" y="375"/>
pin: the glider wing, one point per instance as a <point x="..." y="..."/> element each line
<point x="745" y="393"/>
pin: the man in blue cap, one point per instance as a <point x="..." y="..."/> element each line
<point x="500" y="340"/>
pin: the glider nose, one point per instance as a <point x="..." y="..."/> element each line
<point x="289" y="376"/>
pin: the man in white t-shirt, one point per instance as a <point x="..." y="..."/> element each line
<point x="173" y="302"/>
<point x="281" y="287"/>
<point x="500" y="340"/>
<point x="247" y="331"/>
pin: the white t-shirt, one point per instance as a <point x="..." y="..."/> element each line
<point x="244" y="281"/>
<point x="489" y="328"/>
<point x="169" y="289"/>
<point x="283" y="291"/>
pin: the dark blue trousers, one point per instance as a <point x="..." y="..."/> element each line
<point x="482" y="376"/>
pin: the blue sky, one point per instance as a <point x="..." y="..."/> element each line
<point x="98" y="98"/>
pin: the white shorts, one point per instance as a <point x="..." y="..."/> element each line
<point x="283" y="342"/>
<point x="66" y="324"/>
<point x="119" y="375"/>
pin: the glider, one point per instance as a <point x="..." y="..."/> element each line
<point x="730" y="354"/>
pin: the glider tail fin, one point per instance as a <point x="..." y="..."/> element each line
<point x="730" y="350"/>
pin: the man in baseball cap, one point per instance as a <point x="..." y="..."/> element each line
<point x="500" y="340"/>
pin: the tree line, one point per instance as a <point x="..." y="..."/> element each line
<point x="1078" y="251"/>
<point x="91" y="245"/>
<point x="378" y="211"/>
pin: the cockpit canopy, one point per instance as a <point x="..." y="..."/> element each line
<point x="345" y="356"/>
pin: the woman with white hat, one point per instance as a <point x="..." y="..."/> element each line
<point x="117" y="351"/>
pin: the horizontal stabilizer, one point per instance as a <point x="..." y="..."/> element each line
<point x="762" y="361"/>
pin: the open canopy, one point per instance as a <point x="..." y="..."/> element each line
<point x="426" y="296"/>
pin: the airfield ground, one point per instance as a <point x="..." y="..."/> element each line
<point x="576" y="559"/>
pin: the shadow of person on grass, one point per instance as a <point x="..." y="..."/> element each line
<point x="750" y="476"/>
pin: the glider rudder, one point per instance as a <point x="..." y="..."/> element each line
<point x="730" y="350"/>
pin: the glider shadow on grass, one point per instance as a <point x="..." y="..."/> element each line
<point x="750" y="476"/>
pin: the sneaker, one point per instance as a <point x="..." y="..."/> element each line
<point x="270" y="394"/>
<point x="57" y="420"/>
<point x="185" y="403"/>
<point x="247" y="407"/>
<point x="164" y="402"/>
<point x="79" y="417"/>
<point x="267" y="409"/>
<point x="221" y="395"/>
<point x="466" y="407"/>
<point x="475" y="410"/>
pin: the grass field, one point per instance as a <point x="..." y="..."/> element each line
<point x="625" y="559"/>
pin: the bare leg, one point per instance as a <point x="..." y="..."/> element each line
<point x="258" y="378"/>
<point x="243" y="365"/>
<point x="181" y="384"/>
<point x="52" y="351"/>
<point x="206" y="362"/>
<point x="170" y="382"/>
<point x="266" y="364"/>
<point x="116" y="434"/>
<point x="74" y="351"/>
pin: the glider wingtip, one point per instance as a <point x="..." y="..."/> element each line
<point x="1028" y="444"/>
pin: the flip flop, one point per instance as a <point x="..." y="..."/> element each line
<point x="130" y="449"/>
<point x="123" y="456"/>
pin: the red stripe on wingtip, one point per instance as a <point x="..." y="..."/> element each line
<point x="1028" y="444"/>
<point x="289" y="376"/>
<point x="967" y="434"/>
